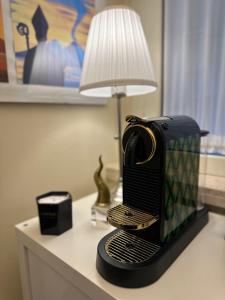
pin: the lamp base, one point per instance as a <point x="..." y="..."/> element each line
<point x="117" y="192"/>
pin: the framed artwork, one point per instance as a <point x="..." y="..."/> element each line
<point x="45" y="43"/>
<point x="3" y="63"/>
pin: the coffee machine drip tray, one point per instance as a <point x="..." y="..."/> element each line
<point x="128" y="248"/>
<point x="128" y="218"/>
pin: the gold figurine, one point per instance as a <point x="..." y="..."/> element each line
<point x="103" y="198"/>
<point x="103" y="202"/>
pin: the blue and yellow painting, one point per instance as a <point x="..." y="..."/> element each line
<point x="3" y="63"/>
<point x="49" y="40"/>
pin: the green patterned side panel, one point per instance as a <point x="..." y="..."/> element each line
<point x="181" y="185"/>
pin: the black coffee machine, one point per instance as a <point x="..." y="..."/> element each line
<point x="158" y="217"/>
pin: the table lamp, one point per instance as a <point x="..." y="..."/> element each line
<point x="117" y="63"/>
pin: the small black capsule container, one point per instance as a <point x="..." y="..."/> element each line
<point x="55" y="216"/>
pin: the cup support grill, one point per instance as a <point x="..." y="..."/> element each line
<point x="128" y="248"/>
<point x="129" y="218"/>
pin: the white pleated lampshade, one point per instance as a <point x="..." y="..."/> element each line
<point x="116" y="58"/>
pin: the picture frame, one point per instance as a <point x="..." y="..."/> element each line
<point x="14" y="92"/>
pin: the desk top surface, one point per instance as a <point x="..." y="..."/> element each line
<point x="198" y="273"/>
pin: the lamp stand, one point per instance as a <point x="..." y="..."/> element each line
<point x="117" y="194"/>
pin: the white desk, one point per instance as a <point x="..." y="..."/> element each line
<point x="63" y="267"/>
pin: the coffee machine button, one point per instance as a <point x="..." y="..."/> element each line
<point x="165" y="126"/>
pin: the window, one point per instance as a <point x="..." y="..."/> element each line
<point x="194" y="65"/>
<point x="194" y="80"/>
